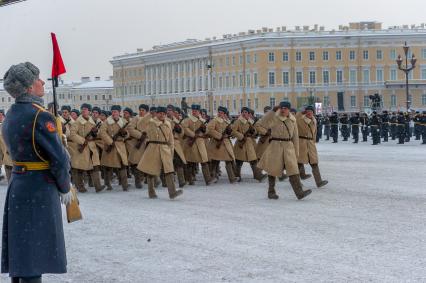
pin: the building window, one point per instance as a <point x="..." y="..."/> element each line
<point x="234" y="103"/>
<point x="299" y="78"/>
<point x="256" y="103"/>
<point x="353" y="101"/>
<point x="339" y="76"/>
<point x="255" y="79"/>
<point x="248" y="80"/>
<point x="326" y="77"/>
<point x="285" y="56"/>
<point x="214" y="104"/>
<point x="393" y="100"/>
<point x="365" y="54"/>
<point x="423" y="99"/>
<point x="311" y="56"/>
<point x="366" y="101"/>
<point x="233" y="60"/>
<point x="96" y="97"/>
<point x="271" y="57"/>
<point x="248" y="59"/>
<point x="227" y="85"/>
<point x="255" y="58"/>
<point x="339" y="55"/>
<point x="379" y="54"/>
<point x="248" y="102"/>
<point x="241" y="80"/>
<point x="227" y="61"/>
<point x="285" y="78"/>
<point x="240" y="61"/>
<point x="241" y="103"/>
<point x="393" y="75"/>
<point x="325" y="55"/>
<point x="271" y="78"/>
<point x="352" y="55"/>
<point x="392" y="54"/>
<point x="234" y="80"/>
<point x="379" y="75"/>
<point x="272" y="102"/>
<point x="312" y="77"/>
<point x="298" y="56"/>
<point x="366" y="76"/>
<point x="423" y="74"/>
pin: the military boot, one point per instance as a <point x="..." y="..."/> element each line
<point x="271" y="189"/>
<point x="36" y="279"/>
<point x="257" y="172"/>
<point x="283" y="177"/>
<point x="151" y="185"/>
<point x="206" y="173"/>
<point x="188" y="174"/>
<point x="173" y="193"/>
<point x="317" y="176"/>
<point x="181" y="176"/>
<point x="303" y="175"/>
<point x="297" y="186"/>
<point x="123" y="179"/>
<point x="213" y="170"/>
<point x="95" y="176"/>
<point x="78" y="181"/>
<point x="163" y="179"/>
<point x="89" y="179"/>
<point x="138" y="177"/>
<point x="238" y="166"/>
<point x="230" y="172"/>
<point x="108" y="178"/>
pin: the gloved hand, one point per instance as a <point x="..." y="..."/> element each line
<point x="68" y="197"/>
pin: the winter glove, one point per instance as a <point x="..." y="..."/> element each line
<point x="67" y="198"/>
<point x="177" y="129"/>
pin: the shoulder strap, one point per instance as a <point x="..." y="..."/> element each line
<point x="33" y="133"/>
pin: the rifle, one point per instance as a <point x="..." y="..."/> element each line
<point x="115" y="137"/>
<point x="141" y="140"/>
<point x="227" y="132"/>
<point x="249" y="133"/>
<point x="92" y="133"/>
<point x="201" y="129"/>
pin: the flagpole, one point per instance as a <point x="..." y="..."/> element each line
<point x="55" y="102"/>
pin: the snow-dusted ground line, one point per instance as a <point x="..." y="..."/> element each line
<point x="367" y="225"/>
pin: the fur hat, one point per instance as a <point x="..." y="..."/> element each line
<point x="161" y="109"/>
<point x="116" y="107"/>
<point x="144" y="106"/>
<point x="66" y="107"/>
<point x="285" y="104"/>
<point x="86" y="105"/>
<point x="20" y="77"/>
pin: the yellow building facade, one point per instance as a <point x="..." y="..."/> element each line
<point x="338" y="69"/>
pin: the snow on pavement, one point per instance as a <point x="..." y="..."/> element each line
<point x="368" y="224"/>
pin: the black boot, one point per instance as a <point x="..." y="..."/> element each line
<point x="271" y="189"/>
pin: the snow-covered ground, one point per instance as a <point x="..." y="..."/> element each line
<point x="368" y="224"/>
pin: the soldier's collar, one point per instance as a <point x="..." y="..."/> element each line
<point x="193" y="118"/>
<point x="242" y="119"/>
<point x="220" y="120"/>
<point x="307" y="120"/>
<point x="83" y="121"/>
<point x="282" y="118"/>
<point x="111" y="121"/>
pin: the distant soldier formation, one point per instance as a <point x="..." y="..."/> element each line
<point x="398" y="126"/>
<point x="168" y="147"/>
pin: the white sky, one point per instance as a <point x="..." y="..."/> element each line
<point x="91" y="32"/>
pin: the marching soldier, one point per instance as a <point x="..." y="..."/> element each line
<point x="195" y="146"/>
<point x="344" y="124"/>
<point x="306" y="126"/>
<point x="66" y="120"/>
<point x="364" y="126"/>
<point x="327" y="127"/>
<point x="334" y="123"/>
<point x="417" y="125"/>
<point x="319" y="127"/>
<point x="393" y="125"/>
<point x="114" y="156"/>
<point x="220" y="147"/>
<point x="158" y="155"/>
<point x="355" y="127"/>
<point x="179" y="160"/>
<point x="85" y="157"/>
<point x="401" y="128"/>
<point x="136" y="143"/>
<point x="244" y="147"/>
<point x="385" y="126"/>
<point x="74" y="114"/>
<point x="264" y="135"/>
<point x="283" y="150"/>
<point x="375" y="128"/>
<point x="96" y="112"/>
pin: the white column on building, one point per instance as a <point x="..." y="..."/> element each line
<point x="203" y="74"/>
<point x="197" y="65"/>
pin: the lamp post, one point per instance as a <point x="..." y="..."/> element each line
<point x="406" y="69"/>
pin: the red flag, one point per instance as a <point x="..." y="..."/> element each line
<point x="58" y="67"/>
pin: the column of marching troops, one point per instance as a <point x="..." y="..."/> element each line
<point x="161" y="145"/>
<point x="384" y="125"/>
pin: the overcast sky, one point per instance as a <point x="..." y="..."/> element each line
<point x="91" y="32"/>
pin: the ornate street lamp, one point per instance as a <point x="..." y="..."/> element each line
<point x="406" y="69"/>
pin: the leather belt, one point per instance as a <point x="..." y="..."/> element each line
<point x="306" y="138"/>
<point x="30" y="166"/>
<point x="278" y="139"/>
<point x="158" y="142"/>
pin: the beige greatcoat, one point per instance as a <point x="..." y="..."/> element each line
<point x="158" y="156"/>
<point x="307" y="148"/>
<point x="178" y="138"/>
<point x="89" y="158"/>
<point x="280" y="154"/>
<point x="136" y="128"/>
<point x="197" y="153"/>
<point x="215" y="129"/>
<point x="5" y="160"/>
<point x="247" y="151"/>
<point x="118" y="155"/>
<point x="263" y="142"/>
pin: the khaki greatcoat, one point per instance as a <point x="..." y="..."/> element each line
<point x="118" y="155"/>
